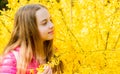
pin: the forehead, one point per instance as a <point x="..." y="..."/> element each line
<point x="42" y="14"/>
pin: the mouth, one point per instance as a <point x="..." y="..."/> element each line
<point x="51" y="32"/>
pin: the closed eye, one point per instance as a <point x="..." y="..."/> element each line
<point x="44" y="22"/>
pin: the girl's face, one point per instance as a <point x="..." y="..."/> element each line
<point x="44" y="23"/>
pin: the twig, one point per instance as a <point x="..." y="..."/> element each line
<point x="5" y="26"/>
<point x="116" y="42"/>
<point x="106" y="44"/>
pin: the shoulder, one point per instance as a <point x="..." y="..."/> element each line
<point x="8" y="64"/>
<point x="8" y="58"/>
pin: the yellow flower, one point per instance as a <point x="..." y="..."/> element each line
<point x="31" y="71"/>
<point x="52" y="63"/>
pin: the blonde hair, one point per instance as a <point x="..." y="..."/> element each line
<point x="26" y="35"/>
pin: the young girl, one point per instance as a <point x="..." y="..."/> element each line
<point x="31" y="43"/>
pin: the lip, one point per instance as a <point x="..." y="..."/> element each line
<point x="51" y="32"/>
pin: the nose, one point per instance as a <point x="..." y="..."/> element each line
<point x="51" y="25"/>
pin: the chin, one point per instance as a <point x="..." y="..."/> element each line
<point x="51" y="38"/>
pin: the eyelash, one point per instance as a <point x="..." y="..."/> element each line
<point x="47" y="22"/>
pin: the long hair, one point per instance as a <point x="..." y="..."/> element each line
<point x="26" y="35"/>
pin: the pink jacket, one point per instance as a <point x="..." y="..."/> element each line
<point x="8" y="64"/>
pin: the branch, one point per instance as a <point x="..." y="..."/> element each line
<point x="5" y="26"/>
<point x="116" y="42"/>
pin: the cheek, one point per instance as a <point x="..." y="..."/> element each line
<point x="42" y="31"/>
